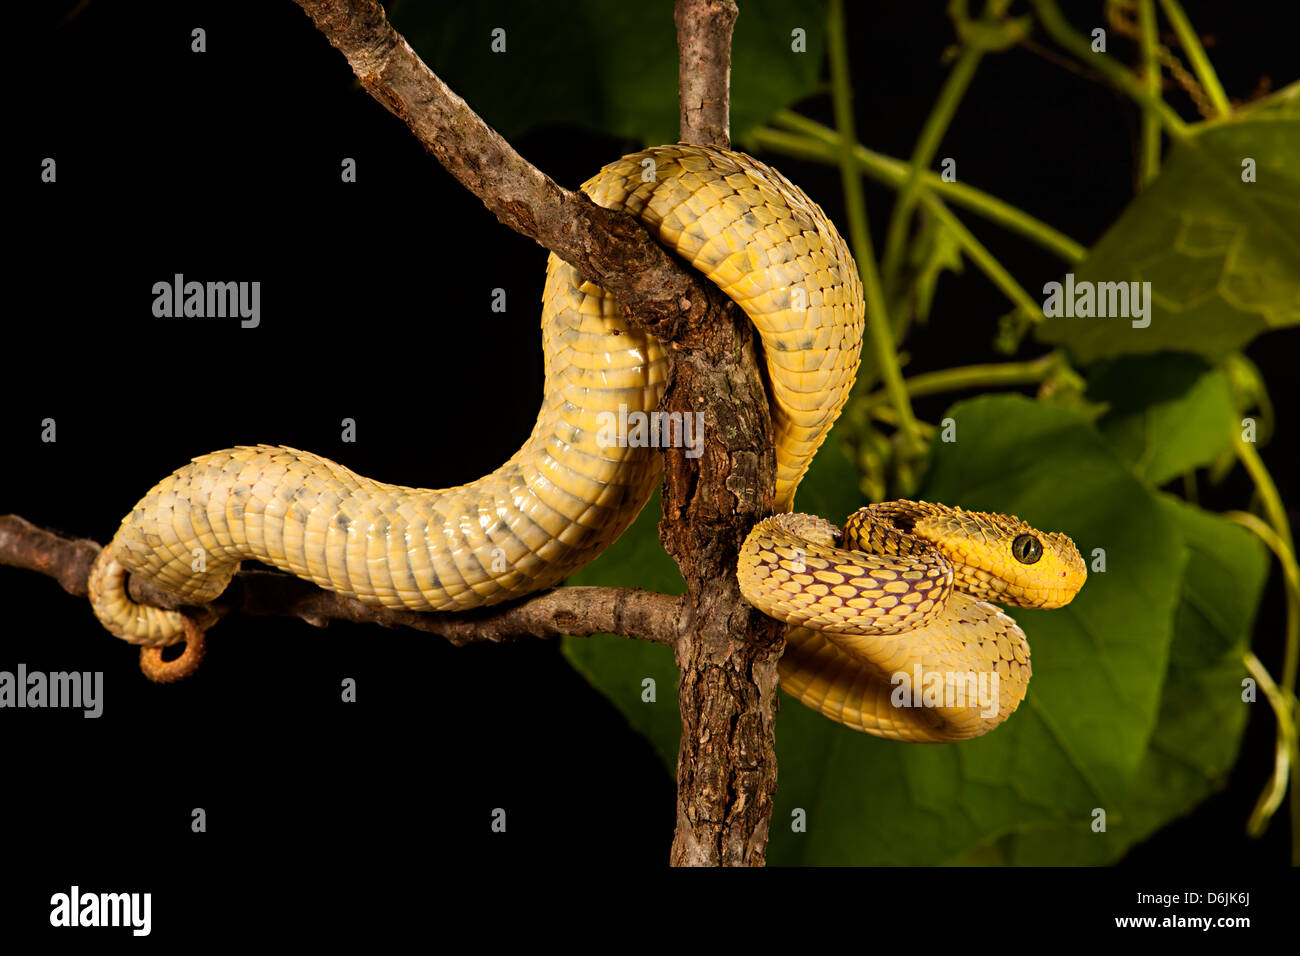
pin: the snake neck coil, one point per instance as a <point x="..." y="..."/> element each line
<point x="896" y="602"/>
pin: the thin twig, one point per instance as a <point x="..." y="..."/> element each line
<point x="1191" y="45"/>
<point x="1059" y="29"/>
<point x="1149" y="165"/>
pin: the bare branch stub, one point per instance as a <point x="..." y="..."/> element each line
<point x="704" y="30"/>
<point x="608" y="247"/>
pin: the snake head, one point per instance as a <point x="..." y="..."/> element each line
<point x="995" y="557"/>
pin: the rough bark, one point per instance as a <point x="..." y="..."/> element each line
<point x="727" y="651"/>
<point x="704" y="69"/>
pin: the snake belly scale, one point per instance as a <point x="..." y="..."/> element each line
<point x="569" y="492"/>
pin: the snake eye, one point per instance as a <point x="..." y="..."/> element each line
<point x="1026" y="548"/>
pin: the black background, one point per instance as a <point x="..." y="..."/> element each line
<point x="375" y="306"/>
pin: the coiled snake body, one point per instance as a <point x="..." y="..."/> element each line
<point x="570" y="491"/>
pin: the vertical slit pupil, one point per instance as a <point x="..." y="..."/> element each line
<point x="1026" y="548"/>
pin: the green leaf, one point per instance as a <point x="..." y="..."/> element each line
<point x="766" y="74"/>
<point x="1098" y="668"/>
<point x="1167" y="414"/>
<point x="992" y="36"/>
<point x="935" y="250"/>
<point x="1222" y="255"/>
<point x="1134" y="707"/>
<point x="830" y="488"/>
<point x="609" y="67"/>
<point x="1202" y="715"/>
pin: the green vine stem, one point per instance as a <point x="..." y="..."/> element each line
<point x="987" y="262"/>
<point x="1050" y="16"/>
<point x="927" y="144"/>
<point x="1276" y="533"/>
<point x="973" y="248"/>
<point x="1201" y="65"/>
<point x="1284" y="755"/>
<point x="820" y="144"/>
<point x="1149" y="162"/>
<point x="878" y="324"/>
<point x="994" y="375"/>
<point x="1290" y="572"/>
<point x="886" y="415"/>
<point x="1275" y="512"/>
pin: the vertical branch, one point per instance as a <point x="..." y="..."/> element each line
<point x="704" y="69"/>
<point x="726" y="650"/>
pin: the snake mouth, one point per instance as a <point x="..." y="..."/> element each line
<point x="903" y="521"/>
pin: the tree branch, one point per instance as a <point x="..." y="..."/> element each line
<point x="704" y="69"/>
<point x="580" y="611"/>
<point x="727" y="651"/>
<point x="609" y="248"/>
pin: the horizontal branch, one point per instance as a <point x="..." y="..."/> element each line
<point x="609" y="248"/>
<point x="578" y="611"/>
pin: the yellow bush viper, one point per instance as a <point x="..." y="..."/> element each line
<point x="570" y="491"/>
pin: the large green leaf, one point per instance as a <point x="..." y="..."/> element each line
<point x="1167" y="413"/>
<point x="1202" y="715"/>
<point x="1110" y="722"/>
<point x="1098" y="667"/>
<point x="1222" y="255"/>
<point x="607" y="66"/>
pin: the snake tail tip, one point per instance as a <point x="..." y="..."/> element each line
<point x="161" y="671"/>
